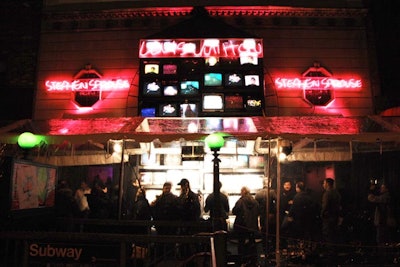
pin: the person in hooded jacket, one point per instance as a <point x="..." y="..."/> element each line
<point x="246" y="210"/>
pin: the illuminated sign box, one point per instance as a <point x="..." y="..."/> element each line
<point x="308" y="83"/>
<point x="247" y="48"/>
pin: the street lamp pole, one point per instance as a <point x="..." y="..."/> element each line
<point x="217" y="218"/>
<point x="215" y="141"/>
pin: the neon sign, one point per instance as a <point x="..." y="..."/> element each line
<point x="317" y="83"/>
<point x="201" y="48"/>
<point x="87" y="85"/>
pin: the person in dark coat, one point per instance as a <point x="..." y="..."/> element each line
<point x="99" y="201"/>
<point x="286" y="198"/>
<point x="66" y="206"/>
<point x="188" y="203"/>
<point x="163" y="208"/>
<point x="246" y="210"/>
<point x="262" y="196"/>
<point x="188" y="208"/>
<point x="223" y="209"/>
<point x="330" y="215"/>
<point x="382" y="214"/>
<point x="301" y="214"/>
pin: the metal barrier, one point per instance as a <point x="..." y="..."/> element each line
<point x="114" y="243"/>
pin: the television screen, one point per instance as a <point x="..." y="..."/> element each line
<point x="170" y="90"/>
<point x="189" y="110"/>
<point x="152" y="88"/>
<point x="253" y="103"/>
<point x="151" y="69"/>
<point x="189" y="87"/>
<point x="248" y="59"/>
<point x="251" y="80"/>
<point x="212" y="79"/>
<point x="213" y="102"/>
<point x="233" y="79"/>
<point x="148" y="112"/>
<point x="168" y="110"/>
<point x="233" y="102"/>
<point x="32" y="185"/>
<point x="170" y="69"/>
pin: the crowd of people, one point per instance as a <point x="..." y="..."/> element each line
<point x="300" y="213"/>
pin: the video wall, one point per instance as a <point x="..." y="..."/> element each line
<point x="201" y="87"/>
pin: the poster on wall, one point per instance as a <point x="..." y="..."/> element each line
<point x="32" y="185"/>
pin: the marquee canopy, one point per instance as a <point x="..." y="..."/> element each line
<point x="363" y="129"/>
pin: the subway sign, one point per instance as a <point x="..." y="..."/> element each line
<point x="65" y="252"/>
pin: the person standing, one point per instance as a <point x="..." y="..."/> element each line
<point x="286" y="199"/>
<point x="66" y="206"/>
<point x="330" y="215"/>
<point x="301" y="217"/>
<point x="81" y="199"/>
<point x="223" y="208"/>
<point x="383" y="213"/>
<point x="188" y="203"/>
<point x="188" y="208"/>
<point x="163" y="208"/>
<point x="246" y="210"/>
<point x="264" y="196"/>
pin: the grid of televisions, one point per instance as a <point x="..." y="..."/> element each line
<point x="210" y="104"/>
<point x="192" y="86"/>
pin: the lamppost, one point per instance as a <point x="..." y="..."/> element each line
<point x="215" y="141"/>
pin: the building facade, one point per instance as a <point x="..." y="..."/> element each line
<point x="317" y="59"/>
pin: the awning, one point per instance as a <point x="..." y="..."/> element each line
<point x="315" y="138"/>
<point x="79" y="131"/>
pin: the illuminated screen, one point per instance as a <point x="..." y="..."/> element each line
<point x="212" y="79"/>
<point x="233" y="79"/>
<point x="151" y="69"/>
<point x="189" y="87"/>
<point x="251" y="80"/>
<point x="168" y="110"/>
<point x="148" y="112"/>
<point x="170" y="69"/>
<point x="152" y="88"/>
<point x="248" y="59"/>
<point x="189" y="110"/>
<point x="253" y="103"/>
<point x="213" y="102"/>
<point x="233" y="102"/>
<point x="170" y="90"/>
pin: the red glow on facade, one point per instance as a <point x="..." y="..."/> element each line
<point x="87" y="85"/>
<point x="202" y="48"/>
<point x="317" y="83"/>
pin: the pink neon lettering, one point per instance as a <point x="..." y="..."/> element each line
<point x="317" y="83"/>
<point x="87" y="85"/>
<point x="196" y="48"/>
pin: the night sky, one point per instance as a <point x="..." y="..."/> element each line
<point x="19" y="45"/>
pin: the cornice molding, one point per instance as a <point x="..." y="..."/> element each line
<point x="225" y="11"/>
